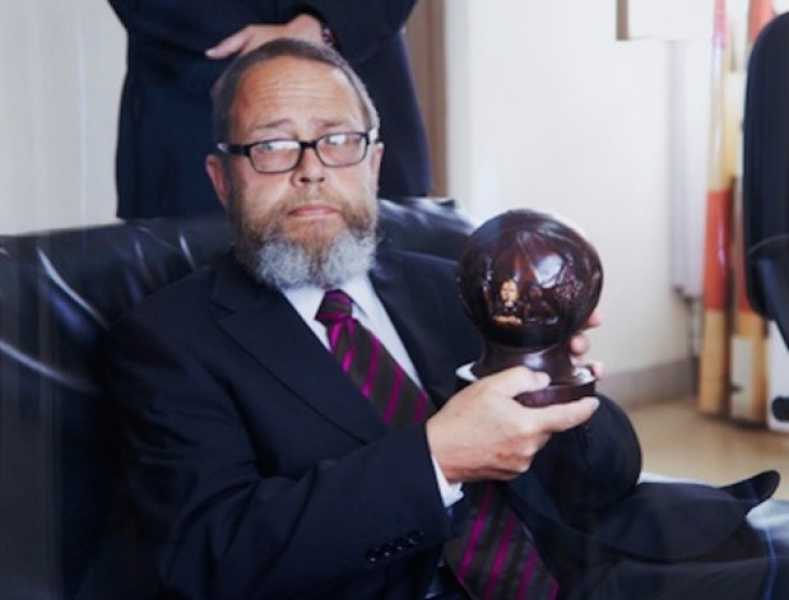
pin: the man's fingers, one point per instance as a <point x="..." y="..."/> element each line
<point x="594" y="320"/>
<point x="230" y="45"/>
<point x="561" y="417"/>
<point x="516" y="380"/>
<point x="598" y="368"/>
<point x="579" y="344"/>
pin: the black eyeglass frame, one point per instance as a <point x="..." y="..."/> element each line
<point x="370" y="137"/>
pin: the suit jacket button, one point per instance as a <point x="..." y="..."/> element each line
<point x="387" y="551"/>
<point x="415" y="537"/>
<point x="401" y="544"/>
<point x="372" y="556"/>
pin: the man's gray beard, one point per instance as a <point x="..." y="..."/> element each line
<point x="283" y="264"/>
<point x="271" y="258"/>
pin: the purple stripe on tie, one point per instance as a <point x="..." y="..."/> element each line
<point x="338" y="297"/>
<point x="500" y="558"/>
<point x="373" y="371"/>
<point x="394" y="396"/>
<point x="336" y="329"/>
<point x="348" y="358"/>
<point x="526" y="576"/>
<point x="420" y="408"/>
<point x="476" y="532"/>
<point x="553" y="591"/>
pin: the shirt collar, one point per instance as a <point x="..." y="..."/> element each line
<point x="307" y="298"/>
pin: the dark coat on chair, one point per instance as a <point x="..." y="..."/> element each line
<point x="258" y="470"/>
<point x="165" y="119"/>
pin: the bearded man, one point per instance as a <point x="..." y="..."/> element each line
<point x="291" y="416"/>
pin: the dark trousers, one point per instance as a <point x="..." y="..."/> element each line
<point x="747" y="567"/>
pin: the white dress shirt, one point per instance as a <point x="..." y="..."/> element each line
<point x="370" y="312"/>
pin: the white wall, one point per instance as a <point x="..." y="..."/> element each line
<point x="61" y="68"/>
<point x="547" y="110"/>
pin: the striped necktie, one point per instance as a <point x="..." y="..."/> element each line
<point x="494" y="558"/>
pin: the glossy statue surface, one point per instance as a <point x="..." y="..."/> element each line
<point x="529" y="282"/>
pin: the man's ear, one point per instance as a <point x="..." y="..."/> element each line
<point x="215" y="167"/>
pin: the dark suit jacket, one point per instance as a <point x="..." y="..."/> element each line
<point x="165" y="118"/>
<point x="258" y="470"/>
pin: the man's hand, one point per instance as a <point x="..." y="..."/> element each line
<point x="579" y="345"/>
<point x="482" y="433"/>
<point x="305" y="27"/>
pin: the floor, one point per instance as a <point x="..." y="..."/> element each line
<point x="678" y="442"/>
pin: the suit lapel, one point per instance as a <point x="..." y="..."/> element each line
<point x="413" y="304"/>
<point x="264" y="323"/>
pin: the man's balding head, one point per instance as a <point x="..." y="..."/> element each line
<point x="226" y="88"/>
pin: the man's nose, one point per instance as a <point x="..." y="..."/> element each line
<point x="310" y="169"/>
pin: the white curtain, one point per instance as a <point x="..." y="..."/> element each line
<point x="689" y="126"/>
<point x="61" y="69"/>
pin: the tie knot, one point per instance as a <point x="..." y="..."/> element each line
<point x="336" y="306"/>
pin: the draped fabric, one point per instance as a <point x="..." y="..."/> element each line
<point x="733" y="369"/>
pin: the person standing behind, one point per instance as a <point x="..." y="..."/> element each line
<point x="178" y="48"/>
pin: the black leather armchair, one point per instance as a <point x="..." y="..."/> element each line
<point x="63" y="526"/>
<point x="64" y="532"/>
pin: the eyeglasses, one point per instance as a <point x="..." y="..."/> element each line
<point x="341" y="149"/>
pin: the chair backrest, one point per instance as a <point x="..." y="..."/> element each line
<point x="766" y="174"/>
<point x="62" y="516"/>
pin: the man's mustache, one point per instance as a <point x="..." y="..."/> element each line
<point x="292" y="203"/>
<point x="359" y="217"/>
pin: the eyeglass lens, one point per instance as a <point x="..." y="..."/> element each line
<point x="334" y="150"/>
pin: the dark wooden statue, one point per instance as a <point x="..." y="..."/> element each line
<point x="529" y="282"/>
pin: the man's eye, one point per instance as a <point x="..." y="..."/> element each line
<point x="275" y="146"/>
<point x="338" y="139"/>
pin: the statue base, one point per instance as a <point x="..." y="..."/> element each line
<point x="581" y="384"/>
